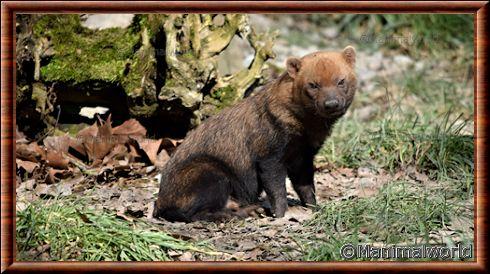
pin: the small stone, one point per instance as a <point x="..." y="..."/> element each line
<point x="402" y="60"/>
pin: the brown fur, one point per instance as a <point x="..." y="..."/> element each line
<point x="255" y="144"/>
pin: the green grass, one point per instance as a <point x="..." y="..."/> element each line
<point x="401" y="213"/>
<point x="439" y="150"/>
<point x="74" y="232"/>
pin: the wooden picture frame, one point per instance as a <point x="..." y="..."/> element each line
<point x="9" y="9"/>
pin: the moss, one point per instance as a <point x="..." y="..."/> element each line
<point x="82" y="54"/>
<point x="226" y="95"/>
<point x="187" y="56"/>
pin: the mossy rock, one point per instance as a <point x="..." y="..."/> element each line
<point x="82" y="54"/>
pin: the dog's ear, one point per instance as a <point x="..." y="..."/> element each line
<point x="349" y="54"/>
<point x="293" y="66"/>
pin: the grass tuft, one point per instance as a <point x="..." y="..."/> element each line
<point x="439" y="150"/>
<point x="74" y="232"/>
<point x="401" y="213"/>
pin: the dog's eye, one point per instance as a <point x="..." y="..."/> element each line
<point x="313" y="85"/>
<point x="341" y="83"/>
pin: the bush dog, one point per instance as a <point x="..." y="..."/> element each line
<point x="254" y="145"/>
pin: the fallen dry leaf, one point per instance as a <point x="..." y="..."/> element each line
<point x="28" y="166"/>
<point x="30" y="152"/>
<point x="99" y="146"/>
<point x="86" y="135"/>
<point x="77" y="145"/>
<point x="118" y="152"/>
<point x="56" y="159"/>
<point x="55" y="175"/>
<point x="151" y="148"/>
<point x="90" y="131"/>
<point x="130" y="128"/>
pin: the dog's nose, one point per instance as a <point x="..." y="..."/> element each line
<point x="330" y="104"/>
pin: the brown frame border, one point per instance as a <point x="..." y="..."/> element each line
<point x="8" y="10"/>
